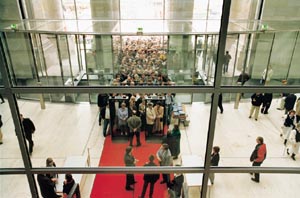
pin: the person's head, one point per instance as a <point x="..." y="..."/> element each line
<point x="151" y="158"/>
<point x="284" y="82"/>
<point x="49" y="162"/>
<point x="260" y="140"/>
<point x="292" y="112"/>
<point x="165" y="146"/>
<point x="150" y="105"/>
<point x="68" y="177"/>
<point x="216" y="149"/>
<point x="227" y="52"/>
<point x="176" y="127"/>
<point x="128" y="149"/>
<point x="123" y="105"/>
<point x="158" y="104"/>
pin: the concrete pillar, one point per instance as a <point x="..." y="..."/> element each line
<point x="102" y="45"/>
<point x="180" y="46"/>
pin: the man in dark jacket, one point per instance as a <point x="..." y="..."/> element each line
<point x="46" y="186"/>
<point x="29" y="129"/>
<point x="149" y="178"/>
<point x="134" y="124"/>
<point x="256" y="100"/>
<point x="289" y="102"/>
<point x="101" y="102"/>
<point x="266" y="101"/>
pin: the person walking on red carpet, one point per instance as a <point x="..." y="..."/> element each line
<point x="165" y="159"/>
<point x="129" y="160"/>
<point x="149" y="178"/>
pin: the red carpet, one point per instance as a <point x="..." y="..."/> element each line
<point x="109" y="185"/>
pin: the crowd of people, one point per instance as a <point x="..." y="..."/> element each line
<point x="142" y="61"/>
<point x="129" y="114"/>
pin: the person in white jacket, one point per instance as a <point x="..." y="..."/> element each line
<point x="295" y="142"/>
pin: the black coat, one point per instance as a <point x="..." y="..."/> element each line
<point x="102" y="100"/>
<point x="256" y="99"/>
<point x="28" y="127"/>
<point x="290" y="102"/>
<point x="152" y="178"/>
<point x="46" y="186"/>
<point x="214" y="160"/>
<point x="267" y="98"/>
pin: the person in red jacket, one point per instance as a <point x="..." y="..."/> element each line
<point x="258" y="156"/>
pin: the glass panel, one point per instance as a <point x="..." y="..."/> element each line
<point x="267" y="123"/>
<point x="20" y="57"/>
<point x="294" y="72"/>
<point x="69" y="9"/>
<point x="10" y="154"/>
<point x="200" y="9"/>
<point x="181" y="59"/>
<point x="207" y="60"/>
<point x="18" y="182"/>
<point x="281" y="56"/>
<point x="142" y="9"/>
<point x="260" y="57"/>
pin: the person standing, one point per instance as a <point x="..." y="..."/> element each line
<point x="29" y="129"/>
<point x="175" y="133"/>
<point x="52" y="176"/>
<point x="165" y="159"/>
<point x="298" y="111"/>
<point x="289" y="102"/>
<point x="129" y="160"/>
<point x="70" y="185"/>
<point x="122" y="118"/>
<point x="101" y="102"/>
<point x="214" y="161"/>
<point x="256" y="100"/>
<point x="46" y="186"/>
<point x="149" y="179"/>
<point x="134" y="124"/>
<point x="142" y="114"/>
<point x="159" y="115"/>
<point x="258" y="156"/>
<point x="105" y="114"/>
<point x="227" y="58"/>
<point x="177" y="183"/>
<point x="266" y="102"/>
<point x="288" y="125"/>
<point x="1" y="134"/>
<point x="150" y="118"/>
<point x="295" y="142"/>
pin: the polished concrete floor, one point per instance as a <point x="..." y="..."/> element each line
<point x="64" y="130"/>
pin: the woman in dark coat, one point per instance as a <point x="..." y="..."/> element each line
<point x="129" y="160"/>
<point x="176" y="135"/>
<point x="68" y="185"/>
